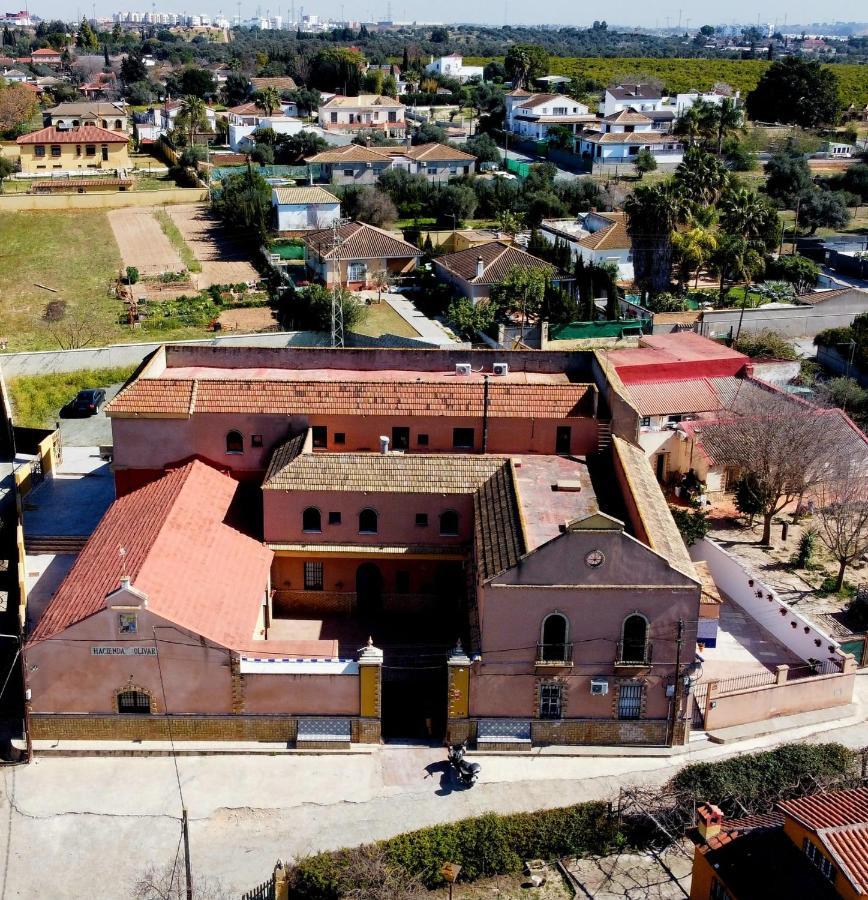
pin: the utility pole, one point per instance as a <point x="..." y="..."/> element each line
<point x="676" y="694"/>
<point x="188" y="871"/>
<point x="796" y="225"/>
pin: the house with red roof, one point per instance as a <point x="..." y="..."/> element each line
<point x="47" y="56"/>
<point x="814" y="846"/>
<point x="55" y="150"/>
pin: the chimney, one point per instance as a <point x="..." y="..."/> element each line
<point x="125" y="582"/>
<point x="709" y="820"/>
<point x="384" y="444"/>
<point x="480" y="267"/>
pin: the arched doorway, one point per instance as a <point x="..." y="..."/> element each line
<point x="369" y="589"/>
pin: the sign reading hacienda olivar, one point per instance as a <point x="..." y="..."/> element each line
<point x="123" y="651"/>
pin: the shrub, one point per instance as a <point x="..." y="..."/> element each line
<point x="483" y="846"/>
<point x="766" y="343"/>
<point x="54" y="311"/>
<point x="132" y="274"/>
<point x="754" y="782"/>
<point x="804" y="556"/>
<point x="692" y="523"/>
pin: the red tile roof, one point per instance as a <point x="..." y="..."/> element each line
<point x="360" y="241"/>
<point x="848" y="846"/>
<point x="173" y="398"/>
<point x="197" y="571"/>
<point x="83" y="134"/>
<point x="498" y="257"/>
<point x="829" y="810"/>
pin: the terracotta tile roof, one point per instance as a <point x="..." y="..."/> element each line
<point x="498" y="257"/>
<point x="558" y="120"/>
<point x="312" y="194"/>
<point x="499" y="537"/>
<point x="351" y="153"/>
<point x="89" y="108"/>
<point x="614" y="237"/>
<point x="405" y="473"/>
<point x="518" y="92"/>
<point x="848" y="846"/>
<point x="363" y="101"/>
<point x="538" y="99"/>
<point x="83" y="134"/>
<point x="45" y="51"/>
<point x="733" y="829"/>
<point x="661" y="531"/>
<point x="627" y="117"/>
<point x="695" y="395"/>
<point x="197" y="571"/>
<point x="812" y="298"/>
<point x="830" y="809"/>
<point x="358" y="240"/>
<point x="156" y="397"/>
<point x="282" y="83"/>
<point x="60" y="184"/>
<point x="627" y="137"/>
<point x="435" y="152"/>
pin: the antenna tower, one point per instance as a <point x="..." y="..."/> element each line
<point x="337" y="285"/>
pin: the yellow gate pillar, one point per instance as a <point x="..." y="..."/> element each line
<point x="458" y="725"/>
<point x="370" y="694"/>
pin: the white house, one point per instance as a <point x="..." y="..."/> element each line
<point x="13" y="76"/>
<point x="639" y="97"/>
<point x="531" y="115"/>
<point x="248" y="117"/>
<point x="453" y="66"/>
<point x="683" y="102"/>
<point x="596" y="237"/>
<point x="161" y="119"/>
<point x="304" y="208"/>
<point x="367" y="111"/>
<point x="616" y="139"/>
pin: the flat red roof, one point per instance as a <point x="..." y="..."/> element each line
<point x="668" y="357"/>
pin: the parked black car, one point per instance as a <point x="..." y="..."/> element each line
<point x="86" y="403"/>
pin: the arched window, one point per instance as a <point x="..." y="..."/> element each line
<point x="634" y="639"/>
<point x="118" y="125"/>
<point x="104" y="123"/>
<point x="234" y="442"/>
<point x="311" y="520"/>
<point x="75" y="123"/>
<point x="368" y="521"/>
<point x="449" y="523"/>
<point x="553" y="638"/>
<point x="135" y="702"/>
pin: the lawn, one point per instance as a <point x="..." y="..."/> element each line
<point x="382" y="319"/>
<point x="75" y="254"/>
<point x="37" y="399"/>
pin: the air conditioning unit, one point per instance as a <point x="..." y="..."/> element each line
<point x="500" y="368"/>
<point x="599" y="687"/>
<point x="462" y="368"/>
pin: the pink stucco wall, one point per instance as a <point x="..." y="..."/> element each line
<point x="282" y="512"/>
<point x="790" y="698"/>
<point x="155" y="443"/>
<point x="314" y="695"/>
<point x="64" y="676"/>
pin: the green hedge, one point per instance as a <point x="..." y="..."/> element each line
<point x="758" y="780"/>
<point x="483" y="846"/>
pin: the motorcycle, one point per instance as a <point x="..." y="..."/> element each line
<point x="468" y="772"/>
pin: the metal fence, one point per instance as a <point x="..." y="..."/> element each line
<point x="264" y="891"/>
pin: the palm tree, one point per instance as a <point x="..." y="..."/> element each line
<point x="692" y="248"/>
<point x="736" y="260"/>
<point x="652" y="214"/>
<point x="268" y="99"/>
<point x="700" y="178"/>
<point x="192" y="117"/>
<point x="689" y="124"/>
<point x="724" y="119"/>
<point x="745" y="214"/>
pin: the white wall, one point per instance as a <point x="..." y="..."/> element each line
<point x="792" y="629"/>
<point x="295" y="217"/>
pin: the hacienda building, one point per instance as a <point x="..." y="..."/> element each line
<point x="486" y="518"/>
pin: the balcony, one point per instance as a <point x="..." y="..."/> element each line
<point x="632" y="655"/>
<point x="554" y="655"/>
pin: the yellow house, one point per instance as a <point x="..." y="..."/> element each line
<point x="54" y="150"/>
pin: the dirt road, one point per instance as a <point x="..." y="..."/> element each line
<point x="142" y="242"/>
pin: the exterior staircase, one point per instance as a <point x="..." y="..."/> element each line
<point x="604" y="435"/>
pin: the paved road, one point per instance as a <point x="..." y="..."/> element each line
<point x="67" y="824"/>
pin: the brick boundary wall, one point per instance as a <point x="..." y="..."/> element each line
<point x="85" y="727"/>
<point x="583" y="732"/>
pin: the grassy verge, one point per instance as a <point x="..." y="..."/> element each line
<point x="170" y="229"/>
<point x="36" y="399"/>
<point x="381" y="319"/>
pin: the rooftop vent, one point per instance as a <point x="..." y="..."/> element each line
<point x="384" y="444"/>
<point x="568" y="486"/>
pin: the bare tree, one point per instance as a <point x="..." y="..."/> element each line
<point x="76" y="332"/>
<point x="374" y="878"/>
<point x="169" y="883"/>
<point x="842" y="515"/>
<point x="784" y="443"/>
